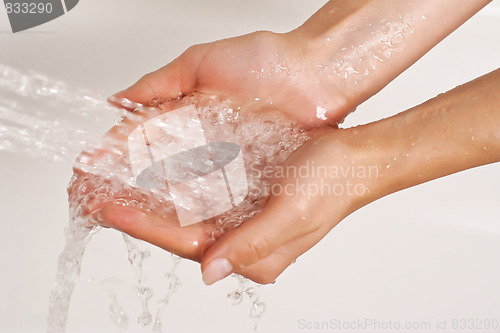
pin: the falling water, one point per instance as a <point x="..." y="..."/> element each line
<point x="50" y="120"/>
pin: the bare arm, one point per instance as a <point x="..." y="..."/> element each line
<point x="368" y="43"/>
<point x="455" y="131"/>
<point x="319" y="72"/>
<point x="452" y="132"/>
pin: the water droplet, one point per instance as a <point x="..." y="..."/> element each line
<point x="253" y="294"/>
<point x="145" y="293"/>
<point x="145" y="319"/>
<point x="321" y="113"/>
<point x="257" y="309"/>
<point x="118" y="316"/>
<point x="268" y="139"/>
<point x="157" y="328"/>
<point x="235" y="297"/>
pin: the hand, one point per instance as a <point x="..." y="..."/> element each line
<point x="301" y="210"/>
<point x="337" y="172"/>
<point x="347" y="169"/>
<point x="317" y="73"/>
<point x="317" y="187"/>
<point x="261" y="68"/>
<point x="103" y="181"/>
<point x="279" y="69"/>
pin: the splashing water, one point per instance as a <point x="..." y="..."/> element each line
<point x="103" y="176"/>
<point x="50" y="120"/>
<point x="257" y="308"/>
<point x="47" y="119"/>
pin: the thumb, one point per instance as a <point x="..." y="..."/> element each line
<point x="172" y="81"/>
<point x="252" y="241"/>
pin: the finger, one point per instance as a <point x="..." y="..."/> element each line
<point x="187" y="242"/>
<point x="253" y="241"/>
<point x="268" y="269"/>
<point x="172" y="81"/>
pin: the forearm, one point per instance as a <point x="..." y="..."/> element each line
<point x="370" y="42"/>
<point x="455" y="131"/>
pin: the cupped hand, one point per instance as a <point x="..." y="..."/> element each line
<point x="261" y="68"/>
<point x="315" y="189"/>
<point x="318" y="186"/>
<point x="102" y="191"/>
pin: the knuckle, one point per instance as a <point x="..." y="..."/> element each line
<point x="148" y="90"/>
<point x="146" y="78"/>
<point x="258" y="248"/>
<point x="153" y="92"/>
<point x="193" y="49"/>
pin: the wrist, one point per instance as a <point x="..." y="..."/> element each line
<point x="450" y="133"/>
<point x="350" y="48"/>
<point x="381" y="159"/>
<point x="358" y="160"/>
<point x="362" y="45"/>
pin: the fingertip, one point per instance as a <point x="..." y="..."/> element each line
<point x="115" y="98"/>
<point x="122" y="100"/>
<point x="256" y="239"/>
<point x="216" y="270"/>
<point x="117" y="95"/>
<point x="170" y="82"/>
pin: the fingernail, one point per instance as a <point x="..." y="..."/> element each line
<point x="112" y="99"/>
<point x="123" y="102"/>
<point x="216" y="270"/>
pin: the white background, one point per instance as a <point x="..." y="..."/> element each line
<point x="425" y="254"/>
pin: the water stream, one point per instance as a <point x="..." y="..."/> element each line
<point x="50" y="120"/>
